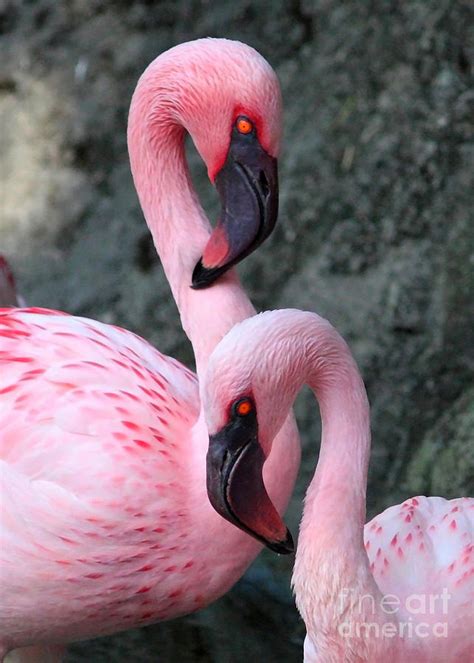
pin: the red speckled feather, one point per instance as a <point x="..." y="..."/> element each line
<point x="421" y="551"/>
<point x="93" y="422"/>
<point x="106" y="520"/>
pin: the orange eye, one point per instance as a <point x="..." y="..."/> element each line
<point x="243" y="407"/>
<point x="244" y="125"/>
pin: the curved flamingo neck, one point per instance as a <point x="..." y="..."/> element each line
<point x="340" y="480"/>
<point x="176" y="220"/>
<point x="337" y="492"/>
<point x="332" y="571"/>
<point x="180" y="232"/>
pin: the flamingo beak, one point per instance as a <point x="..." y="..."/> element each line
<point x="236" y="490"/>
<point x="248" y="188"/>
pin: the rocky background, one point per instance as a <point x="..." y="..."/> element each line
<point x="375" y="231"/>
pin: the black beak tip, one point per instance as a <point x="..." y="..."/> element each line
<point x="202" y="277"/>
<point x="286" y="547"/>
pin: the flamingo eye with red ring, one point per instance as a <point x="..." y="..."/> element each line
<point x="243" y="407"/>
<point x="247" y="184"/>
<point x="235" y="485"/>
<point x="244" y="125"/>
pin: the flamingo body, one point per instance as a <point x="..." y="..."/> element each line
<point x="421" y="556"/>
<point x="105" y="520"/>
<point x="424" y="542"/>
<point x="95" y="424"/>
<point x="102" y="499"/>
<point x="399" y="588"/>
<point x="422" y="552"/>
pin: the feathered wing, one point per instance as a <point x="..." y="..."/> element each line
<point x="93" y="421"/>
<point x="422" y="552"/>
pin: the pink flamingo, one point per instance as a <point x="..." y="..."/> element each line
<point x="8" y="294"/>
<point x="105" y="521"/>
<point x="400" y="589"/>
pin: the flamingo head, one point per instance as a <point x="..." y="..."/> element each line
<point x="228" y="98"/>
<point x="251" y="382"/>
<point x="237" y="131"/>
<point x="247" y="184"/>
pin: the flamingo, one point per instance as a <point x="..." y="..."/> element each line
<point x="105" y="520"/>
<point x="8" y="294"/>
<point x="400" y="589"/>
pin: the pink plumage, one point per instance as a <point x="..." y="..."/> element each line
<point x="423" y="541"/>
<point x="105" y="520"/>
<point x="399" y="589"/>
<point x="95" y="424"/>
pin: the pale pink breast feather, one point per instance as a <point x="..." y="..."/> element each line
<point x="423" y="544"/>
<point x="92" y="421"/>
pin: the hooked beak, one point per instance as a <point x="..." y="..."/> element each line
<point x="236" y="490"/>
<point x="248" y="188"/>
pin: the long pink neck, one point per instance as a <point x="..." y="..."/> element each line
<point x="331" y="566"/>
<point x="176" y="220"/>
<point x="339" y="484"/>
<point x="337" y="491"/>
<point x="180" y="232"/>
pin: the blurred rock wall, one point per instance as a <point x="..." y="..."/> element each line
<point x="376" y="230"/>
